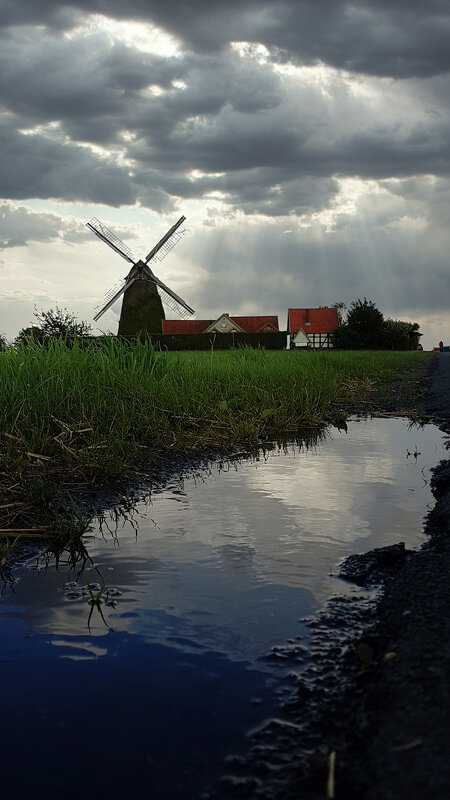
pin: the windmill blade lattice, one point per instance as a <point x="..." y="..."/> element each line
<point x="174" y="304"/>
<point x="169" y="245"/>
<point x="164" y="239"/>
<point x="109" y="296"/>
<point x="173" y="298"/>
<point x="110" y="239"/>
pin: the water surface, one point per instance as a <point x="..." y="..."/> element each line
<point x="148" y="688"/>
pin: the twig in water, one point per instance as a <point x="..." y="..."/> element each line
<point x="330" y="778"/>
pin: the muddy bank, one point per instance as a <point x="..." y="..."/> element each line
<point x="400" y="746"/>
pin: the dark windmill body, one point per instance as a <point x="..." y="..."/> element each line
<point x="142" y="309"/>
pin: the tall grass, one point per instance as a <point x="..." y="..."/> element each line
<point x="94" y="408"/>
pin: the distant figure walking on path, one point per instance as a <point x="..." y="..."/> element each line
<point x="441" y="346"/>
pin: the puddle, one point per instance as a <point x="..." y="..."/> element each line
<point x="146" y="670"/>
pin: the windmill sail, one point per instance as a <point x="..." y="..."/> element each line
<point x="110" y="239"/>
<point x="174" y="304"/>
<point x="168" y="246"/>
<point x="112" y="292"/>
<point x="113" y="295"/>
<point x="172" y="299"/>
<point x="165" y="240"/>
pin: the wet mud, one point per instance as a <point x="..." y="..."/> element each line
<point x="294" y="755"/>
<point x="376" y="566"/>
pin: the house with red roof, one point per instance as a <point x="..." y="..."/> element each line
<point x="311" y="327"/>
<point x="224" y="324"/>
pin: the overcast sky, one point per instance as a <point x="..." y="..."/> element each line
<point x="306" y="142"/>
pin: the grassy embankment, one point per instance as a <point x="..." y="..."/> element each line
<point x="80" y="415"/>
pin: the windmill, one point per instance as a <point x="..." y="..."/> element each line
<point x="142" y="309"/>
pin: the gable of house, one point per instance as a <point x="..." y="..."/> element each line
<point x="224" y="324"/>
<point x="300" y="339"/>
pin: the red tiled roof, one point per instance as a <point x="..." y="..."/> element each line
<point x="185" y="325"/>
<point x="255" y="324"/>
<point x="321" y="320"/>
<point x="248" y="324"/>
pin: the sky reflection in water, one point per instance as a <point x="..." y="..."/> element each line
<point x="231" y="559"/>
<point x="211" y="573"/>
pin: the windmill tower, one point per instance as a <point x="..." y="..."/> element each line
<point x="142" y="309"/>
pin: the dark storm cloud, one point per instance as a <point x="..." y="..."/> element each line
<point x="421" y="198"/>
<point x="285" y="141"/>
<point x="259" y="191"/>
<point x="88" y="84"/>
<point x="91" y="91"/>
<point x="201" y="123"/>
<point x="35" y="166"/>
<point x="398" y="38"/>
<point x="298" y="197"/>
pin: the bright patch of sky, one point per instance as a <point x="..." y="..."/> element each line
<point x="144" y="37"/>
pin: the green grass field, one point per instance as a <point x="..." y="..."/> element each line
<point x="96" y="408"/>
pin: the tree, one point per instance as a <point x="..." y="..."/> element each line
<point x="364" y="329"/>
<point x="55" y="323"/>
<point x="61" y="322"/>
<point x="401" y="335"/>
